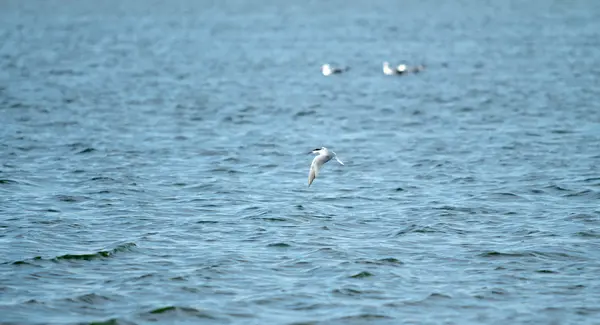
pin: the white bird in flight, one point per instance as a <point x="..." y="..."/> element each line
<point x="323" y="155"/>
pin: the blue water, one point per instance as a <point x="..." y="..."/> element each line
<point x="154" y="167"/>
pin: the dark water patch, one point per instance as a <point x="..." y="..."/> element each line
<point x="583" y="217"/>
<point x="101" y="192"/>
<point x="102" y="179"/>
<point x="86" y="150"/>
<point x="361" y="275"/>
<point x="495" y="254"/>
<point x="437" y="296"/>
<point x="492" y="294"/>
<point x="112" y="321"/>
<point x="464" y="180"/>
<point x="48" y="221"/>
<point x="275" y="219"/>
<point x="72" y="198"/>
<point x="354" y="292"/>
<point x="305" y="113"/>
<point x="557" y="188"/>
<point x="171" y="312"/>
<point x="279" y="245"/>
<point x="546" y="271"/>
<point x="227" y="170"/>
<point x="456" y="209"/>
<point x="25" y="262"/>
<point x="104" y="254"/>
<point x="591" y="179"/>
<point x="205" y="222"/>
<point x="8" y="181"/>
<point x="347" y="292"/>
<point x="588" y="234"/>
<point x="366" y="317"/>
<point x="64" y="72"/>
<point x="384" y="261"/>
<point x="561" y="131"/>
<point x="415" y="229"/>
<point x="537" y="191"/>
<point x="537" y="255"/>
<point x="90" y="299"/>
<point x="587" y="194"/>
<point x="507" y="196"/>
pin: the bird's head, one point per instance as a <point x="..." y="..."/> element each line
<point x="318" y="150"/>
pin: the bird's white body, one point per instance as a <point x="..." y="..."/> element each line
<point x="328" y="70"/>
<point x="323" y="155"/>
<point x="388" y="70"/>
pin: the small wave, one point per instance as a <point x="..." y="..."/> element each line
<point x="415" y="229"/>
<point x="361" y="275"/>
<point x="71" y="198"/>
<point x="86" y="150"/>
<point x="168" y="311"/>
<point x="8" y="181"/>
<point x="507" y="196"/>
<point x="207" y="222"/>
<point x="364" y="317"/>
<point x="112" y="321"/>
<point x="90" y="298"/>
<point x="556" y="187"/>
<point x="279" y="245"/>
<point x="584" y="194"/>
<point x="546" y="271"/>
<point x="305" y="113"/>
<point x="589" y="234"/>
<point x="101" y="178"/>
<point x="382" y="261"/>
<point x="533" y="254"/>
<point x="86" y="257"/>
<point x="501" y="254"/>
<point x="582" y="217"/>
<point x="437" y="295"/>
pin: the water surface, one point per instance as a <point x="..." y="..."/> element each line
<point x="154" y="162"/>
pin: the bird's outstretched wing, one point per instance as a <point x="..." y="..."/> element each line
<point x="336" y="158"/>
<point x="315" y="167"/>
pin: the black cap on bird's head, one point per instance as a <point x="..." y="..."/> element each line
<point x="316" y="150"/>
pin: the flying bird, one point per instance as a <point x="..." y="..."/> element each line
<point x="323" y="155"/>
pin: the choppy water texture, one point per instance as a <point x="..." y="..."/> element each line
<point x="154" y="163"/>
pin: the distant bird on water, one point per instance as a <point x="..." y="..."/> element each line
<point x="323" y="155"/>
<point x="389" y="71"/>
<point x="328" y="70"/>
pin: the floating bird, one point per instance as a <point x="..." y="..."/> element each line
<point x="328" y="70"/>
<point x="323" y="155"/>
<point x="389" y="71"/>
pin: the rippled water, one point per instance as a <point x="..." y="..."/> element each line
<point x="154" y="162"/>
